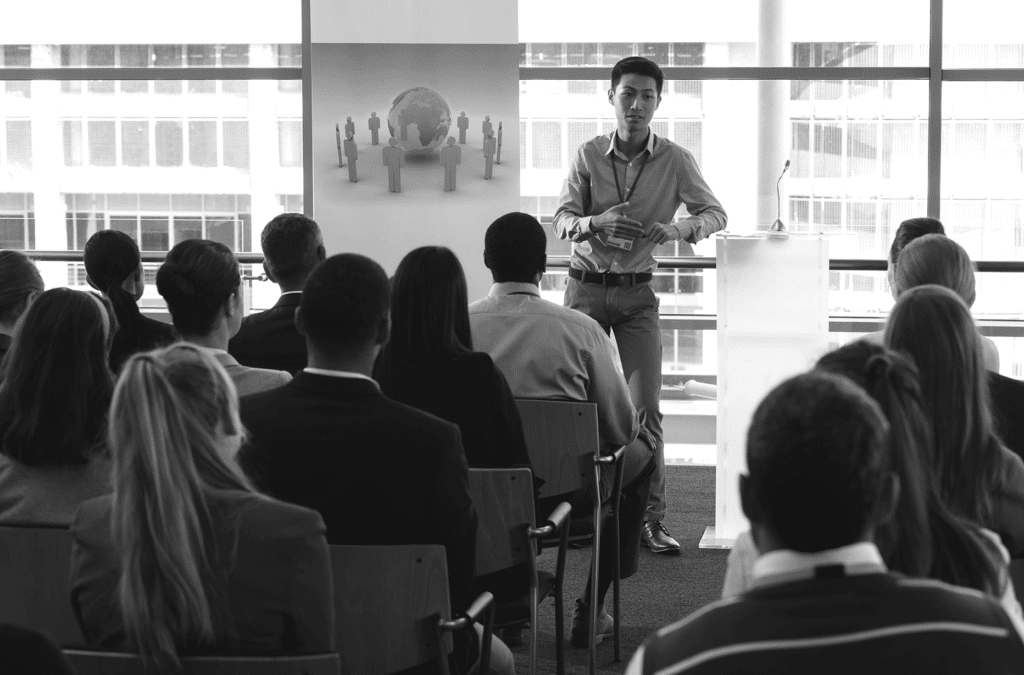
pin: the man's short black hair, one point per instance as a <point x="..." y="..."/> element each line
<point x="291" y="243"/>
<point x="911" y="229"/>
<point x="344" y="300"/>
<point x="637" y="65"/>
<point x="817" y="457"/>
<point x="515" y="248"/>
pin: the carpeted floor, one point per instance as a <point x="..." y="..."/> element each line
<point x="664" y="590"/>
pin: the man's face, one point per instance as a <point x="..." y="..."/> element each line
<point x="635" y="100"/>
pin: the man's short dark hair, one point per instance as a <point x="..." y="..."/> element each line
<point x="515" y="248"/>
<point x="817" y="457"/>
<point x="638" y="65"/>
<point x="344" y="300"/>
<point x="911" y="229"/>
<point x="291" y="243"/>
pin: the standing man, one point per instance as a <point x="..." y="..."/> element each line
<point x="451" y="156"/>
<point x="619" y="202"/>
<point x="490" y="146"/>
<point x="374" y="123"/>
<point x="497" y="158"/>
<point x="353" y="154"/>
<point x="393" y="160"/>
<point x="463" y="123"/>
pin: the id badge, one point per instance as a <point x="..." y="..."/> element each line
<point x="619" y="242"/>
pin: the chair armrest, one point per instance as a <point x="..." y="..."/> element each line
<point x="554" y="523"/>
<point x="612" y="458"/>
<point x="472" y="615"/>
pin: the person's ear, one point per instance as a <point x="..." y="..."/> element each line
<point x="28" y="300"/>
<point x="92" y="283"/>
<point x="268" y="272"/>
<point x="487" y="260"/>
<point x="658" y="103"/>
<point x="300" y="322"/>
<point x="233" y="300"/>
<point x="611" y="96"/>
<point x="747" y="501"/>
<point x="888" y="499"/>
<point x="321" y="253"/>
<point x="383" y="331"/>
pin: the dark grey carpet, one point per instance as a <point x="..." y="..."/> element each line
<point x="664" y="590"/>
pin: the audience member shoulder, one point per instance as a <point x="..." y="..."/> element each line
<point x="263" y="517"/>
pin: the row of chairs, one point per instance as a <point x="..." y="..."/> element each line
<point x="395" y="613"/>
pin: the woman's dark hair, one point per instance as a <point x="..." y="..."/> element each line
<point x="429" y="310"/>
<point x="911" y="229"/>
<point x="18" y="279"/>
<point x="57" y="385"/>
<point x="933" y="325"/>
<point x="924" y="538"/>
<point x="639" y="66"/>
<point x="197" y="277"/>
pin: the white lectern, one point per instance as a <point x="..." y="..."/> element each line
<point x="772" y="323"/>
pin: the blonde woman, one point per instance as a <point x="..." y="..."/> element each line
<point x="184" y="556"/>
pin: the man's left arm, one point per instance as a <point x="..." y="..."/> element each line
<point x="706" y="213"/>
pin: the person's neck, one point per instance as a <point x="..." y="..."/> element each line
<point x="631" y="141"/>
<point x="215" y="339"/>
<point x="361" y="363"/>
<point x="767" y="541"/>
<point x="291" y="286"/>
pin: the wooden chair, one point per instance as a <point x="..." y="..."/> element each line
<point x="391" y="604"/>
<point x="115" y="663"/>
<point x="505" y="537"/>
<point x="35" y="565"/>
<point x="565" y="450"/>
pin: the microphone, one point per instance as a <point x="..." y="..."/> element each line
<point x="778" y="225"/>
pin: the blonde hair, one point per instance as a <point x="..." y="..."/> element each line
<point x="936" y="259"/>
<point x="170" y="411"/>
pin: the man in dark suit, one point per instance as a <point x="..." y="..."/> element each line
<point x="292" y="248"/>
<point x="819" y="483"/>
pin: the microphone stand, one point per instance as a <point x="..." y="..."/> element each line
<point x="778" y="225"/>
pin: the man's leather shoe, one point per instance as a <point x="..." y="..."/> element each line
<point x="657" y="538"/>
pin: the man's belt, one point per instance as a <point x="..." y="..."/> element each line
<point x="609" y="279"/>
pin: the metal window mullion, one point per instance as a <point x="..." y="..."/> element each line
<point x="154" y="73"/>
<point x="935" y="110"/>
<point x="982" y="75"/>
<point x="307" y="110"/>
<point x="738" y="73"/>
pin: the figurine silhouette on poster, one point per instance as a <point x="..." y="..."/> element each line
<point x="353" y="154"/>
<point x="394" y="157"/>
<point x="463" y="123"/>
<point x="350" y="127"/>
<point x="374" y="129"/>
<point x="487" y="126"/>
<point x="337" y="135"/>
<point x="451" y="156"/>
<point x="490" y="147"/>
<point x="497" y="157"/>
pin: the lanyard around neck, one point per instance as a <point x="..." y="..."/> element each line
<point x="636" y="181"/>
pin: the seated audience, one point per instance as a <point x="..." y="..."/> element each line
<point x="549" y="351"/>
<point x="20" y="284"/>
<point x="292" y="247"/>
<point x="202" y="285"/>
<point x="25" y="651"/>
<point x="113" y="266"/>
<point x="184" y="557"/>
<point x="379" y="472"/>
<point x="978" y="476"/>
<point x="54" y="397"/>
<point x="819" y="484"/>
<point x="923" y="538"/>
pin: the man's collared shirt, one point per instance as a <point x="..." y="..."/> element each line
<point x="549" y="351"/>
<point x="339" y="373"/>
<point x="670" y="178"/>
<point x="783" y="566"/>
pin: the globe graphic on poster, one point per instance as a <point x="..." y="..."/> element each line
<point x="426" y="117"/>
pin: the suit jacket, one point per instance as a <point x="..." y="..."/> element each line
<point x="49" y="495"/>
<point x="1008" y="410"/>
<point x="251" y="380"/>
<point x="378" y="471"/>
<point x="870" y="623"/>
<point x="269" y="339"/>
<point x="278" y="583"/>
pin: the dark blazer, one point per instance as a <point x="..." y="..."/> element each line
<point x="278" y="585"/>
<point x="137" y="333"/>
<point x="378" y="471"/>
<point x="469" y="391"/>
<point x="270" y="340"/>
<point x="1008" y="410"/>
<point x="871" y="623"/>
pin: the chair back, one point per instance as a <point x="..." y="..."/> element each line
<point x="115" y="663"/>
<point x="562" y="439"/>
<point x="504" y="509"/>
<point x="387" y="601"/>
<point x="35" y="563"/>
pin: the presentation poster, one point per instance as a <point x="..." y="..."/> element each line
<point x="414" y="144"/>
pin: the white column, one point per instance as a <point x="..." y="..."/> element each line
<point x="47" y="167"/>
<point x="773" y="126"/>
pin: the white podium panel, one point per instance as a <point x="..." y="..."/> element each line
<point x="772" y="324"/>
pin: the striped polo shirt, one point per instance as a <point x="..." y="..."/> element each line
<point x="837" y="611"/>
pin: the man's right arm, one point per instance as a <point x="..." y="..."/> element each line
<point x="571" y="220"/>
